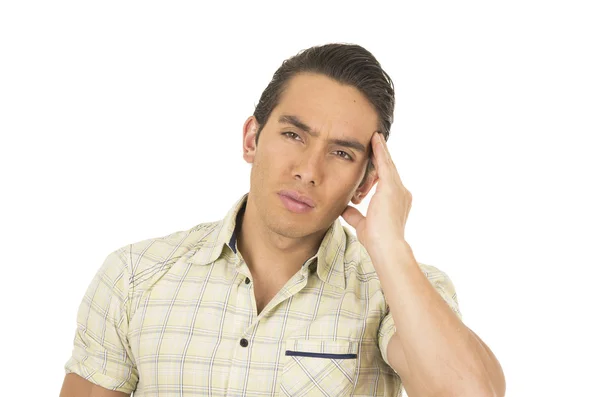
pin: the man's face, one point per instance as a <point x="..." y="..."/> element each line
<point x="316" y="143"/>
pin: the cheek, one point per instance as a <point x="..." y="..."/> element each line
<point x="269" y="161"/>
<point x="277" y="158"/>
<point x="341" y="187"/>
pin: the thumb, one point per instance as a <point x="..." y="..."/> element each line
<point x="352" y="216"/>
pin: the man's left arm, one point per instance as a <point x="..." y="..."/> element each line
<point x="434" y="353"/>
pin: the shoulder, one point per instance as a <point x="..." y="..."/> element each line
<point x="149" y="259"/>
<point x="357" y="260"/>
<point x="433" y="274"/>
<point x="360" y="273"/>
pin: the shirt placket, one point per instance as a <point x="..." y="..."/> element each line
<point x="248" y="322"/>
<point x="243" y="317"/>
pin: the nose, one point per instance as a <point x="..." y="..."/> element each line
<point x="309" y="169"/>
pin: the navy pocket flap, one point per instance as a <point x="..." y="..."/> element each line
<point x="334" y="356"/>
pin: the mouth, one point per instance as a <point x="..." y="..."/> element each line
<point x="296" y="202"/>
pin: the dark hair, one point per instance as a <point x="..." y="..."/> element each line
<point x="348" y="64"/>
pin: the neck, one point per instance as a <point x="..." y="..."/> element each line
<point x="266" y="251"/>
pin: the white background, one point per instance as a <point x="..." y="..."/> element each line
<point x="114" y="114"/>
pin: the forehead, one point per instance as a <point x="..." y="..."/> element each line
<point x="327" y="106"/>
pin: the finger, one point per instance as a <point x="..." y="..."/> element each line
<point x="387" y="164"/>
<point x="380" y="154"/>
<point x="352" y="216"/>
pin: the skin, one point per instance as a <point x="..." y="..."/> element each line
<point x="273" y="241"/>
<point x="432" y="350"/>
<point x="434" y="353"/>
<point x="76" y="386"/>
<point x="309" y="164"/>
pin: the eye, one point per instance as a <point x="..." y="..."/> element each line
<point x="343" y="154"/>
<point x="291" y="135"/>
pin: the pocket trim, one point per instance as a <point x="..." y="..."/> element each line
<point x="333" y="356"/>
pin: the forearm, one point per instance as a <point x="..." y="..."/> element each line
<point x="437" y="354"/>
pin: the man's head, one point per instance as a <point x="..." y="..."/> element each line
<point x="348" y="64"/>
<point x="315" y="120"/>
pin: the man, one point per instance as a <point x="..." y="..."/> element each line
<point x="279" y="298"/>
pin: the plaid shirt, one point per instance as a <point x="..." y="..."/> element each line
<point x="176" y="316"/>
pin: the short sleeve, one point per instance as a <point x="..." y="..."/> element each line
<point x="101" y="353"/>
<point x="386" y="330"/>
<point x="442" y="284"/>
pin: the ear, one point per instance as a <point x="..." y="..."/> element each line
<point x="249" y="142"/>
<point x="362" y="191"/>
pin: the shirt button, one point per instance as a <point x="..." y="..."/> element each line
<point x="247" y="280"/>
<point x="244" y="342"/>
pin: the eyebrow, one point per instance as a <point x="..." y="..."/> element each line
<point x="350" y="143"/>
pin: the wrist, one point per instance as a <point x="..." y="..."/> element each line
<point x="398" y="254"/>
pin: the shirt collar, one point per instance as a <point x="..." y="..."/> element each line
<point x="329" y="257"/>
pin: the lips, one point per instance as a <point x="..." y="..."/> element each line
<point x="295" y="202"/>
<point x="297" y="196"/>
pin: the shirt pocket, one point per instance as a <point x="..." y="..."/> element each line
<point x="319" y="368"/>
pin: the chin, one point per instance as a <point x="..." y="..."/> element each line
<point x="287" y="228"/>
